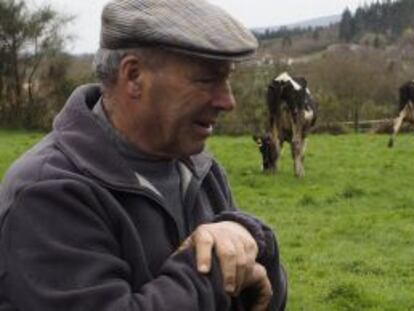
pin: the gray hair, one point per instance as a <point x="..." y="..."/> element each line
<point x="107" y="61"/>
<point x="106" y="64"/>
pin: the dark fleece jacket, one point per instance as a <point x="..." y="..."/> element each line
<point x="79" y="230"/>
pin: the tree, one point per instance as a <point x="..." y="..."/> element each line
<point x="347" y="78"/>
<point x="27" y="38"/>
<point x="316" y="34"/>
<point x="346" y="26"/>
<point x="286" y="35"/>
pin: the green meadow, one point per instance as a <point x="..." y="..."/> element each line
<point x="346" y="231"/>
<point x="14" y="143"/>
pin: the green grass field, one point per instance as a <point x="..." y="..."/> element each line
<point x="14" y="143"/>
<point x="346" y="231"/>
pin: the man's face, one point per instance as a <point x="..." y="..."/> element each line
<point x="180" y="104"/>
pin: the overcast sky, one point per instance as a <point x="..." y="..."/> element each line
<point x="253" y="13"/>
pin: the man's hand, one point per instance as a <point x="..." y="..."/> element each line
<point x="236" y="250"/>
<point x="259" y="280"/>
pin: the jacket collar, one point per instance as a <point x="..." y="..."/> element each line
<point x="82" y="139"/>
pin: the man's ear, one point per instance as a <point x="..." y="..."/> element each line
<point x="130" y="71"/>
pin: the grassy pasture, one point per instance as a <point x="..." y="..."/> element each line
<point x="345" y="231"/>
<point x="14" y="143"/>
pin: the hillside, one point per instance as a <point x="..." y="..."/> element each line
<point x="323" y="21"/>
<point x="353" y="79"/>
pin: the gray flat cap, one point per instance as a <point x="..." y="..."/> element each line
<point x="190" y="26"/>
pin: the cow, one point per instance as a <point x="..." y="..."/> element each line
<point x="292" y="112"/>
<point x="406" y="109"/>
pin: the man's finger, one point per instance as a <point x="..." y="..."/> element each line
<point x="227" y="254"/>
<point x="243" y="267"/>
<point x="203" y="242"/>
<point x="264" y="298"/>
<point x="265" y="289"/>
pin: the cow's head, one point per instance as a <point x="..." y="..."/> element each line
<point x="268" y="150"/>
<point x="293" y="91"/>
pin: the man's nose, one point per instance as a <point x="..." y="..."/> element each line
<point x="223" y="97"/>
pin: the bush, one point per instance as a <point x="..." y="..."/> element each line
<point x="386" y="128"/>
<point x="329" y="128"/>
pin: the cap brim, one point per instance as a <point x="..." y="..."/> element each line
<point x="235" y="57"/>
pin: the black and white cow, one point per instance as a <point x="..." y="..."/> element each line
<point x="292" y="112"/>
<point x="406" y="109"/>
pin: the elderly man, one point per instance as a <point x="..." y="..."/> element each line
<point x="119" y="207"/>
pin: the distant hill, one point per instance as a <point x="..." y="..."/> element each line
<point x="314" y="22"/>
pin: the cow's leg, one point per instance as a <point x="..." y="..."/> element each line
<point x="302" y="149"/>
<point x="277" y="146"/>
<point x="397" y="124"/>
<point x="303" y="145"/>
<point x="296" y="147"/>
<point x="278" y="151"/>
<point x="297" y="155"/>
